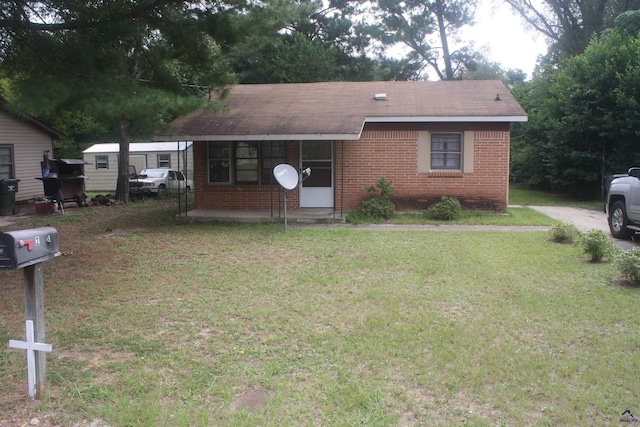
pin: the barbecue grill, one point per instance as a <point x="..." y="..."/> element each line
<point x="63" y="180"/>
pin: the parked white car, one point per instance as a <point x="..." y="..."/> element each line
<point x="160" y="181"/>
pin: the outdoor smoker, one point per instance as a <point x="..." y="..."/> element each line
<point x="63" y="180"/>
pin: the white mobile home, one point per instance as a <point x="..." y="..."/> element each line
<point x="101" y="169"/>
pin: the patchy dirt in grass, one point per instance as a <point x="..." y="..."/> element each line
<point x="75" y="228"/>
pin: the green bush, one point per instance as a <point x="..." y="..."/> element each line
<point x="564" y="232"/>
<point x="379" y="206"/>
<point x="628" y="263"/>
<point x="384" y="186"/>
<point x="446" y="209"/>
<point x="597" y="245"/>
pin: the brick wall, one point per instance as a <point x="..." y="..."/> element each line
<point x="208" y="196"/>
<point x="394" y="153"/>
<point x="383" y="150"/>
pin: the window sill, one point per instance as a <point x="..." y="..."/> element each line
<point x="446" y="173"/>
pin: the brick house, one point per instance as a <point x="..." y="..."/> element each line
<point x="431" y="139"/>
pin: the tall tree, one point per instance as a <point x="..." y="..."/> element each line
<point x="131" y="66"/>
<point x="307" y="41"/>
<point x="570" y="24"/>
<point x="429" y="30"/>
<point x="584" y="118"/>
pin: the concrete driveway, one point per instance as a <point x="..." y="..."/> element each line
<point x="584" y="219"/>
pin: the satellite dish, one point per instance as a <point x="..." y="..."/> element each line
<point x="286" y="175"/>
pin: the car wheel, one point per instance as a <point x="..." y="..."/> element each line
<point x="618" y="221"/>
<point x="188" y="189"/>
<point x="162" y="190"/>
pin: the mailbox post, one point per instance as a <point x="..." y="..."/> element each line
<point x="27" y="249"/>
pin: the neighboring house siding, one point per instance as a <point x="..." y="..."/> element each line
<point x="100" y="179"/>
<point x="29" y="145"/>
<point x="400" y="154"/>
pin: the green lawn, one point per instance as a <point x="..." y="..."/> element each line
<point x="157" y="324"/>
<point x="519" y="195"/>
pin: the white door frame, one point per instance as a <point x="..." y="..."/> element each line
<point x="312" y="195"/>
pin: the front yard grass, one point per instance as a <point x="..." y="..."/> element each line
<point x="158" y="324"/>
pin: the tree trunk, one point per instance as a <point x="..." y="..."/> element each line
<point x="122" y="188"/>
<point x="446" y="55"/>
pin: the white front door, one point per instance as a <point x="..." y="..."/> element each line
<point x="317" y="190"/>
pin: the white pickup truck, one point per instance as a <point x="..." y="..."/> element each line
<point x="160" y="181"/>
<point x="623" y="205"/>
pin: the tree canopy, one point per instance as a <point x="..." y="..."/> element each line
<point x="584" y="119"/>
<point x="570" y="24"/>
<point x="429" y="29"/>
<point x="130" y="66"/>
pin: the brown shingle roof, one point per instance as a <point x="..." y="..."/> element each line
<point x="339" y="110"/>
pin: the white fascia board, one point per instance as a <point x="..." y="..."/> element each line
<point x="446" y="119"/>
<point x="290" y="137"/>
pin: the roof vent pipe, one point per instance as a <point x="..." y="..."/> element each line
<point x="380" y="97"/>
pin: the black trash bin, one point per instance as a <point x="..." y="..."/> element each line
<point x="8" y="190"/>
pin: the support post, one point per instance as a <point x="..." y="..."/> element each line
<point x="34" y="310"/>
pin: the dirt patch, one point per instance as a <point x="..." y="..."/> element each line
<point x="251" y="399"/>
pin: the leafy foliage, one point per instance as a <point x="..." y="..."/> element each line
<point x="570" y="24"/>
<point x="379" y="206"/>
<point x="564" y="232"/>
<point x="597" y="245"/>
<point x="447" y="209"/>
<point x="130" y="67"/>
<point x="628" y="263"/>
<point x="584" y="118"/>
<point x="427" y="28"/>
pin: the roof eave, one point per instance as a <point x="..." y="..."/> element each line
<point x="285" y="137"/>
<point x="447" y="119"/>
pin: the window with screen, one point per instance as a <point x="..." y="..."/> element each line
<point x="164" y="160"/>
<point x="245" y="162"/>
<point x="446" y="151"/>
<point x="6" y="162"/>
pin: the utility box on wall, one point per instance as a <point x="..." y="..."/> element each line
<point x="22" y="248"/>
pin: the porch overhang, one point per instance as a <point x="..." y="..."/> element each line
<point x="288" y="137"/>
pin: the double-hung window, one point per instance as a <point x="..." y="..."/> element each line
<point x="102" y="162"/>
<point x="164" y="160"/>
<point x="6" y="162"/>
<point x="446" y="151"/>
<point x="244" y="163"/>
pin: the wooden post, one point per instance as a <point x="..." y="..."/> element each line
<point x="34" y="310"/>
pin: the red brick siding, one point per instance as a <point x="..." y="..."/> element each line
<point x="393" y="154"/>
<point x="383" y="150"/>
<point x="210" y="196"/>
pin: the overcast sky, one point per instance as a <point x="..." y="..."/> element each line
<point x="506" y="37"/>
